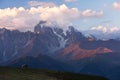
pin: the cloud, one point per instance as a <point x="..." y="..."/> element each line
<point x="100" y="28"/>
<point x="116" y="5"/>
<point x="43" y="4"/>
<point x="104" y="32"/>
<point x="70" y="0"/>
<point x="91" y="13"/>
<point x="106" y="29"/>
<point x="25" y="19"/>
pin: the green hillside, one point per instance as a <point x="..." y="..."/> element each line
<point x="41" y="74"/>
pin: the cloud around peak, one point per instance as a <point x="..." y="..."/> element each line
<point x="25" y="19"/>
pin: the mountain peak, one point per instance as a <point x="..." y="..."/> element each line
<point x="38" y="27"/>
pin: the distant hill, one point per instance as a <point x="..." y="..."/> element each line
<point x="40" y="74"/>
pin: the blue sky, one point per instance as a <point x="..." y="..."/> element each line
<point x="110" y="13"/>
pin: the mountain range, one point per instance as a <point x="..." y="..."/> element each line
<point x="53" y="48"/>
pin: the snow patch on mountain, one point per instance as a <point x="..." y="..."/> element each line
<point x="62" y="41"/>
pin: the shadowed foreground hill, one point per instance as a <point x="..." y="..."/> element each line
<point x="40" y="74"/>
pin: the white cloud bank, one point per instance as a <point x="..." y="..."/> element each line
<point x="25" y="19"/>
<point x="106" y="29"/>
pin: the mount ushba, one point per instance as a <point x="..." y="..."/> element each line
<point x="53" y="48"/>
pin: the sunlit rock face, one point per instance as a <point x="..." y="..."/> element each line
<point x="75" y="52"/>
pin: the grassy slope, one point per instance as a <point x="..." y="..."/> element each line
<point x="40" y="74"/>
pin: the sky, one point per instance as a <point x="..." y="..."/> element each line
<point x="83" y="14"/>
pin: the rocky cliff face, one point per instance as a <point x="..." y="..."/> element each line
<point x="11" y="42"/>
